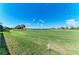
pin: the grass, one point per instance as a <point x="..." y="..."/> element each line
<point x="34" y="42"/>
<point x="3" y="50"/>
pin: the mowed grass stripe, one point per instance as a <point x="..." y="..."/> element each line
<point x="35" y="41"/>
<point x="27" y="46"/>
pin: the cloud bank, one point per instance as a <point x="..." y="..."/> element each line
<point x="71" y="22"/>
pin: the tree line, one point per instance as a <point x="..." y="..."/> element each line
<point x="22" y="27"/>
<point x="5" y="28"/>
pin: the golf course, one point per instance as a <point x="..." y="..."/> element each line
<point x="35" y="42"/>
<point x="39" y="29"/>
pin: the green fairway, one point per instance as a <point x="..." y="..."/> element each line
<point x="35" y="42"/>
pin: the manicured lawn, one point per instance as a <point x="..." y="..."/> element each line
<point x="34" y="42"/>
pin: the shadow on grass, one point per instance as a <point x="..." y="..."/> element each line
<point x="3" y="44"/>
<point x="53" y="52"/>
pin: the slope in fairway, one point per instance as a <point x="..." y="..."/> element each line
<point x="35" y="42"/>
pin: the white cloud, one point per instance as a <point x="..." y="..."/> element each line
<point x="71" y="22"/>
<point x="39" y="20"/>
<point x="42" y="21"/>
<point x="34" y="20"/>
<point x="28" y="24"/>
<point x="40" y="24"/>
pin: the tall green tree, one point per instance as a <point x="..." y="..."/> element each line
<point x="20" y="26"/>
<point x="1" y="28"/>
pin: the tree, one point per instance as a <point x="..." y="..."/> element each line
<point x="20" y="26"/>
<point x="72" y="27"/>
<point x="77" y="28"/>
<point x="67" y="28"/>
<point x="6" y="28"/>
<point x="62" y="28"/>
<point x="1" y="28"/>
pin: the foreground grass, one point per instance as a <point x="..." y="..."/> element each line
<point x="35" y="42"/>
<point x="3" y="50"/>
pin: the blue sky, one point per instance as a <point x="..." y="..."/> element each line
<point x="39" y="15"/>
